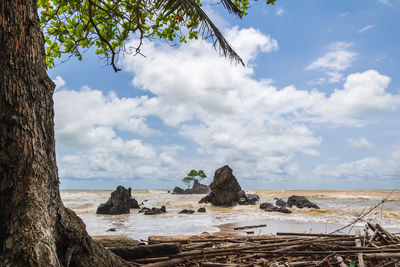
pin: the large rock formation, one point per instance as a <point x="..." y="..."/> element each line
<point x="197" y="188"/>
<point x="301" y="202"/>
<point x="226" y="191"/>
<point x="120" y="202"/>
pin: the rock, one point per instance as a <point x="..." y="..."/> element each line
<point x="187" y="211"/>
<point x="249" y="199"/>
<point x="224" y="188"/>
<point x="207" y="199"/>
<point x="280" y="203"/>
<point x="226" y="191"/>
<point x="265" y="205"/>
<point x="133" y="204"/>
<point x="144" y="209"/>
<point x="178" y="191"/>
<point x="201" y="210"/>
<point x="301" y="202"/>
<point x="116" y="241"/>
<point x="271" y="208"/>
<point x="197" y="188"/>
<point x="111" y="230"/>
<point x="155" y="211"/>
<point x="119" y="203"/>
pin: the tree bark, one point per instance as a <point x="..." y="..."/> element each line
<point x="35" y="228"/>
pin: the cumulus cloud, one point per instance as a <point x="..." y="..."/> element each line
<point x="361" y="142"/>
<point x="366" y="28"/>
<point x="88" y="126"/>
<point x="59" y="82"/>
<point x="232" y="117"/>
<point x="333" y="63"/>
<point x="372" y="170"/>
<point x="238" y="119"/>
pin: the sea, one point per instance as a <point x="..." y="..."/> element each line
<point x="338" y="208"/>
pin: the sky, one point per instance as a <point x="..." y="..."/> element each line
<point x="317" y="105"/>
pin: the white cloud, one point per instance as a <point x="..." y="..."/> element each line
<point x="87" y="116"/>
<point x="280" y="11"/>
<point x="371" y="170"/>
<point x="232" y="117"/>
<point x="366" y="28"/>
<point x="245" y="121"/>
<point x="362" y="142"/>
<point x="385" y="2"/>
<point x="344" y="14"/>
<point x="59" y="81"/>
<point x="338" y="59"/>
<point x="366" y="168"/>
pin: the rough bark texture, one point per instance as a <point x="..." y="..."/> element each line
<point x="36" y="229"/>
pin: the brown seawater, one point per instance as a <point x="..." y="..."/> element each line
<point x="338" y="208"/>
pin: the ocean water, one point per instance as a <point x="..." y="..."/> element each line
<point x="338" y="208"/>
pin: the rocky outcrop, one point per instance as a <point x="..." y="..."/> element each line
<point x="197" y="188"/>
<point x="178" y="191"/>
<point x="186" y="211"/>
<point x="280" y="202"/>
<point x="248" y="199"/>
<point x="301" y="202"/>
<point x="154" y="211"/>
<point x="226" y="191"/>
<point x="120" y="202"/>
<point x="271" y="208"/>
<point x="201" y="210"/>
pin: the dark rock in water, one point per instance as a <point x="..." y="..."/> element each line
<point x="133" y="204"/>
<point x="155" y="211"/>
<point x="201" y="210"/>
<point x="301" y="202"/>
<point x="280" y="203"/>
<point x="249" y="199"/>
<point x="271" y="208"/>
<point x="178" y="191"/>
<point x="144" y="209"/>
<point x="226" y="191"/>
<point x="224" y="188"/>
<point x="187" y="211"/>
<point x="207" y="199"/>
<point x="278" y="209"/>
<point x="265" y="205"/>
<point x="111" y="230"/>
<point x="119" y="203"/>
<point x="197" y="188"/>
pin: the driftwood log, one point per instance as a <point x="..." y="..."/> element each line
<point x="144" y="251"/>
<point x="376" y="247"/>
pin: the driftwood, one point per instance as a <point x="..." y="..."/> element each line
<point x="249" y="226"/>
<point x="375" y="247"/>
<point x="358" y="245"/>
<point x="139" y="252"/>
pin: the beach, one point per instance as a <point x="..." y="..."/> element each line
<point x="338" y="208"/>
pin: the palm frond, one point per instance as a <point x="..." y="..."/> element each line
<point x="206" y="26"/>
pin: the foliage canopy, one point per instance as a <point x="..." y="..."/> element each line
<point x="194" y="175"/>
<point x="71" y="27"/>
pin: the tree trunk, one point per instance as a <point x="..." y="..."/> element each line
<point x="35" y="228"/>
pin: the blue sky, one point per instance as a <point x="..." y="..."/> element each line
<point x="316" y="107"/>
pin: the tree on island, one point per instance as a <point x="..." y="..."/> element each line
<point x="194" y="175"/>
<point x="36" y="229"/>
